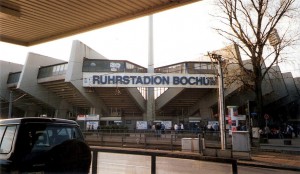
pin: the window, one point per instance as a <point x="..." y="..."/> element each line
<point x="7" y="136"/>
<point x="203" y="66"/>
<point x="45" y="136"/>
<point x="2" y="129"/>
<point x="197" y="66"/>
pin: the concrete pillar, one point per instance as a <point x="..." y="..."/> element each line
<point x="0" y="108"/>
<point x="10" y="104"/>
<point x="63" y="109"/>
<point x="150" y="99"/>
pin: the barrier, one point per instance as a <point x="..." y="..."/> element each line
<point x="190" y="144"/>
<point x="153" y="161"/>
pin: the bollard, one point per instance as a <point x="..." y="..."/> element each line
<point x="145" y="141"/>
<point x="200" y="144"/>
<point x="171" y="142"/>
<point x="203" y="143"/>
<point x="234" y="167"/>
<point x="287" y="142"/>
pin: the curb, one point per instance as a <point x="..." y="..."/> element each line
<point x="269" y="166"/>
<point x="288" y="149"/>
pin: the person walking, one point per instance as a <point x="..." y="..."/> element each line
<point x="181" y="127"/>
<point x="216" y="127"/>
<point x="176" y="128"/>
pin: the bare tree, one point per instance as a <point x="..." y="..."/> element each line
<point x="251" y="26"/>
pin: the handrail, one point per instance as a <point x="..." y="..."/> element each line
<point x="148" y="139"/>
<point x="154" y="154"/>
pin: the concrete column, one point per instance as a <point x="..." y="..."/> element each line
<point x="0" y="108"/>
<point x="63" y="109"/>
<point x="30" y="112"/>
<point x="10" y="104"/>
<point x="92" y="110"/>
<point x="150" y="99"/>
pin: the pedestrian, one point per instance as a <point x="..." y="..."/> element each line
<point x="158" y="129"/>
<point x="289" y="131"/>
<point x="209" y="127"/>
<point x="181" y="127"/>
<point x="163" y="127"/>
<point x="279" y="131"/>
<point x="153" y="127"/>
<point x="216" y="127"/>
<point x="176" y="128"/>
<point x="295" y="130"/>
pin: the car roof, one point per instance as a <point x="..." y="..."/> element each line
<point x="36" y="120"/>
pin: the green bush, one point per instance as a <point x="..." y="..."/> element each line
<point x="114" y="128"/>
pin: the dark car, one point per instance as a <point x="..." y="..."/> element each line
<point x="43" y="145"/>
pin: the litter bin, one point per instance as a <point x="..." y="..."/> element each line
<point x="241" y="141"/>
<point x="263" y="140"/>
<point x="287" y="142"/>
<point x="190" y="144"/>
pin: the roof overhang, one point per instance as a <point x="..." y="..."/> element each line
<point x="29" y="23"/>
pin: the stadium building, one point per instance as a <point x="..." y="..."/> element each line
<point x="122" y="92"/>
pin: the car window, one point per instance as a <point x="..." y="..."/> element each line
<point x="45" y="136"/>
<point x="7" y="137"/>
<point x="2" y="129"/>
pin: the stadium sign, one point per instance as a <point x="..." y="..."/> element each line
<point x="149" y="80"/>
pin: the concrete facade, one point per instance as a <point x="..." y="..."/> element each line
<point x="5" y="69"/>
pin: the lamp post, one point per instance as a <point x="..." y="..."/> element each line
<point x="221" y="100"/>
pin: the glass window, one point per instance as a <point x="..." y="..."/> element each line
<point x="129" y="66"/>
<point x="45" y="136"/>
<point x="209" y="66"/>
<point x="66" y="67"/>
<point x="61" y="69"/>
<point x="7" y="140"/>
<point x="203" y="66"/>
<point x="2" y="129"/>
<point x="13" y="78"/>
<point x="197" y="66"/>
<point x="54" y="70"/>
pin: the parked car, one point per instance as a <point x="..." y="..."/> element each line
<point x="43" y="145"/>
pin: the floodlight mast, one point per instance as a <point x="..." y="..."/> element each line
<point x="218" y="58"/>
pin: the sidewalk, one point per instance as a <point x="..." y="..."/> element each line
<point x="275" y="154"/>
<point x="278" y="145"/>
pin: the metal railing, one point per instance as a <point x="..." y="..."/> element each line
<point x="154" y="155"/>
<point x="53" y="70"/>
<point x="150" y="139"/>
<point x="13" y="77"/>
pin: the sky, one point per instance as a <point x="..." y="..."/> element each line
<point x="181" y="34"/>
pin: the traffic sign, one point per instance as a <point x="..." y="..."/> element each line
<point x="266" y="116"/>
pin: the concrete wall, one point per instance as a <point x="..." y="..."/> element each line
<point x="28" y="80"/>
<point x="278" y="86"/>
<point x="80" y="51"/>
<point x="297" y="83"/>
<point x="5" y="69"/>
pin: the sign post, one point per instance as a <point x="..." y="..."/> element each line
<point x="266" y="116"/>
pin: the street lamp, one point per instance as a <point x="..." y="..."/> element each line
<point x="218" y="58"/>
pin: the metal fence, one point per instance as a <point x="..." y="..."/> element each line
<point x="127" y="158"/>
<point x="149" y="139"/>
